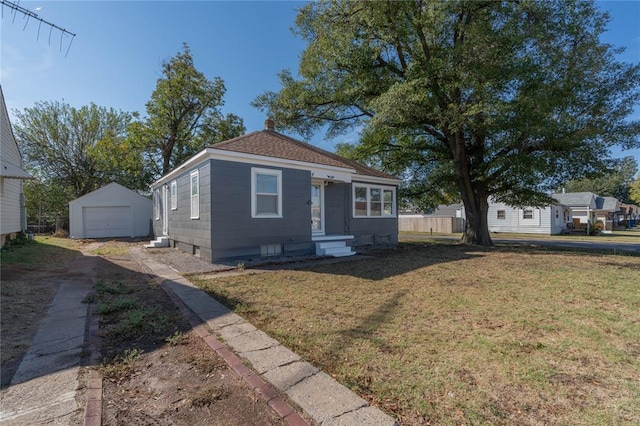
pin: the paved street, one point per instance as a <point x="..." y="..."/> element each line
<point x="613" y="247"/>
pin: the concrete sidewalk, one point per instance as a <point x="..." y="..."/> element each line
<point x="316" y="393"/>
<point x="43" y="389"/>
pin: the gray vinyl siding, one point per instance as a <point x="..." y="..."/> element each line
<point x="226" y="231"/>
<point x="190" y="235"/>
<point x="236" y="234"/>
<point x="371" y="230"/>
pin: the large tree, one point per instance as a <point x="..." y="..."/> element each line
<point x="502" y="99"/>
<point x="78" y="149"/>
<point x="615" y="182"/>
<point x="634" y="191"/>
<point x="183" y="115"/>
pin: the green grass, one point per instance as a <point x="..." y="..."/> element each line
<point x="116" y="305"/>
<point x="450" y="334"/>
<point x="45" y="253"/>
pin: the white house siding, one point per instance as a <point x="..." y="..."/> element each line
<point x="12" y="212"/>
<point x="544" y="220"/>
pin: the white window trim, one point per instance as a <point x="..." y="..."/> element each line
<point x="255" y="171"/>
<point x="174" y="195"/>
<point x="156" y="204"/>
<point x="533" y="214"/>
<point x="194" y="214"/>
<point x="369" y="187"/>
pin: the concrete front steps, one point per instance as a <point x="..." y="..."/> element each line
<point x="158" y="242"/>
<point x="333" y="245"/>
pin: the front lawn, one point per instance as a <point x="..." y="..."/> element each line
<point x="447" y="334"/>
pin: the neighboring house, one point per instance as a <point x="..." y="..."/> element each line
<point x="607" y="211"/>
<point x="629" y="215"/>
<point x="549" y="220"/>
<point x="13" y="215"/>
<point x="583" y="205"/>
<point x="266" y="194"/>
<point x="111" y="211"/>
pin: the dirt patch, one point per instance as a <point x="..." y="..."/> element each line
<point x="158" y="371"/>
<point x="185" y="384"/>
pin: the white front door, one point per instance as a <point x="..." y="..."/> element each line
<point x="165" y="210"/>
<point x="317" y="208"/>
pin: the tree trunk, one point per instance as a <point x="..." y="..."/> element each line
<point x="476" y="229"/>
<point x="474" y="197"/>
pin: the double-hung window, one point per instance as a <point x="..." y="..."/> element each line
<point x="266" y="193"/>
<point x="527" y="214"/>
<point x="374" y="201"/>
<point x="195" y="195"/>
<point x="174" y="195"/>
<point x="501" y="214"/>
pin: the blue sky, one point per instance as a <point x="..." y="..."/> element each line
<point x="114" y="60"/>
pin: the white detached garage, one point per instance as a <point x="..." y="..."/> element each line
<point x="111" y="211"/>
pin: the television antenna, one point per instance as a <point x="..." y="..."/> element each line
<point x="27" y="15"/>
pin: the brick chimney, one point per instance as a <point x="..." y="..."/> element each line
<point x="269" y="124"/>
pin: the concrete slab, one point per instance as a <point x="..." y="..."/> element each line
<point x="58" y="342"/>
<point x="235" y="330"/>
<point x="252" y="341"/>
<point x="223" y="320"/>
<point x="288" y="375"/>
<point x="43" y="389"/>
<point x="323" y="398"/>
<point x="369" y="416"/>
<point x="270" y="358"/>
<point x="47" y="399"/>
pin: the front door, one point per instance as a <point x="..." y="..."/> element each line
<point x="165" y="210"/>
<point x="317" y="208"/>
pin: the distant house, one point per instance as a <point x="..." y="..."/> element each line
<point x="629" y="215"/>
<point x="266" y="194"/>
<point x="549" y="220"/>
<point x="13" y="216"/>
<point x="111" y="211"/>
<point x="607" y="211"/>
<point x="583" y="205"/>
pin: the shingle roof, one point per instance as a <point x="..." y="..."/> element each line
<point x="269" y="143"/>
<point x="574" y="199"/>
<point x="607" y="203"/>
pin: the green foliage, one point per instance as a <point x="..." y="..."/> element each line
<point x="176" y="338"/>
<point x="464" y="99"/>
<point x="634" y="190"/>
<point x="20" y="240"/>
<point x="74" y="151"/>
<point x="116" y="305"/>
<point x="615" y="182"/>
<point x="183" y="116"/>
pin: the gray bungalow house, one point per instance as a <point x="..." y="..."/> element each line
<point x="266" y="194"/>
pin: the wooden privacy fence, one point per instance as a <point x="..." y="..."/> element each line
<point x="441" y="225"/>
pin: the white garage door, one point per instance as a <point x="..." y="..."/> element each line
<point x="102" y="222"/>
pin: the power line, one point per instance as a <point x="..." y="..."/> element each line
<point x="27" y="14"/>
